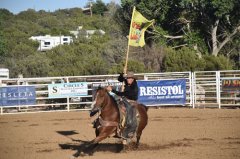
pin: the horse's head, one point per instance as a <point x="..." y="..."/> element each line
<point x="99" y="99"/>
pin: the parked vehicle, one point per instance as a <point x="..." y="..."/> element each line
<point x="4" y="73"/>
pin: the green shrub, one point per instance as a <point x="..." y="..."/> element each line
<point x="184" y="59"/>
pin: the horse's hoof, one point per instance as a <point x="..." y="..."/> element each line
<point x="72" y="157"/>
<point x="90" y="154"/>
<point x="124" y="142"/>
<point x="82" y="154"/>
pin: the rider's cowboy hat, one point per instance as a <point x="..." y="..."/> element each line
<point x="130" y="75"/>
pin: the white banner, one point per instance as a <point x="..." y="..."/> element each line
<point x="67" y="89"/>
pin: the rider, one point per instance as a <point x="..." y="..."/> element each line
<point x="130" y="92"/>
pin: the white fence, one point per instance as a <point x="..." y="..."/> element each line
<point x="203" y="89"/>
<point x="208" y="90"/>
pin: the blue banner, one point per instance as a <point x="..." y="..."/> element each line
<point x="18" y="95"/>
<point x="169" y="92"/>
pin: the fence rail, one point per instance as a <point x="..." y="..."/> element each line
<point x="203" y="89"/>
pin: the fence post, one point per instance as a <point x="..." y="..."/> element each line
<point x="193" y="88"/>
<point x="145" y="77"/>
<point x="218" y="89"/>
<point x="68" y="105"/>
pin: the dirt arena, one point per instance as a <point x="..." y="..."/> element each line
<point x="172" y="133"/>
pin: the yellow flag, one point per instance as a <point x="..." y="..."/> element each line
<point x="139" y="25"/>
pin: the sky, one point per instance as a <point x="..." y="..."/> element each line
<point x="16" y="6"/>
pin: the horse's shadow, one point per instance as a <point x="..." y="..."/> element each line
<point x="101" y="147"/>
<point x="80" y="145"/>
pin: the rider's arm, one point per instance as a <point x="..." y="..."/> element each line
<point x="130" y="93"/>
<point x="118" y="93"/>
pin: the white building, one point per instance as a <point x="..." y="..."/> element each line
<point x="87" y="33"/>
<point x="48" y="42"/>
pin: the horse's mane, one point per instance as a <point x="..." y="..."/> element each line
<point x="111" y="97"/>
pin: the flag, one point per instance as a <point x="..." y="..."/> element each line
<point x="139" y="25"/>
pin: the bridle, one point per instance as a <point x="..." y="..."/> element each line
<point x="101" y="106"/>
<point x="99" y="109"/>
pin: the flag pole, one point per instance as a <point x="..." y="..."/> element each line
<point x="126" y="62"/>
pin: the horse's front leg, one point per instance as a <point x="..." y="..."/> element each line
<point x="103" y="133"/>
<point x="88" y="148"/>
<point x="138" y="136"/>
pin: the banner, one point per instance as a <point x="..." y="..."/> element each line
<point x="116" y="85"/>
<point x="139" y="25"/>
<point x="231" y="85"/>
<point x="18" y="95"/>
<point x="169" y="92"/>
<point x="67" y="90"/>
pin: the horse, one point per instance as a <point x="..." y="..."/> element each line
<point x="109" y="119"/>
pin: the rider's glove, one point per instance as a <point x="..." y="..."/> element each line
<point x="121" y="74"/>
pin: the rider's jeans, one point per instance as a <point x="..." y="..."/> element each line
<point x="131" y="121"/>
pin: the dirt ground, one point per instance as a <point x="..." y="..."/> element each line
<point x="172" y="133"/>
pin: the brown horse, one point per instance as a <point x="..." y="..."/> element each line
<point x="109" y="119"/>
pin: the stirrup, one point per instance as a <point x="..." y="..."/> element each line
<point x="124" y="142"/>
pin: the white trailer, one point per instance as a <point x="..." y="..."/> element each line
<point x="4" y="73"/>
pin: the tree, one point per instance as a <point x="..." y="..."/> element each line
<point x="217" y="20"/>
<point x="133" y="65"/>
<point x="3" y="47"/>
<point x="99" y="7"/>
<point x="189" y="21"/>
<point x="184" y="59"/>
<point x="217" y="63"/>
<point x="208" y="27"/>
<point x="5" y="15"/>
<point x="29" y="15"/>
<point x="35" y="65"/>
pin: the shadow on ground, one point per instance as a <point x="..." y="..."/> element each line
<point x="101" y="147"/>
<point x="67" y="133"/>
<point x="82" y="146"/>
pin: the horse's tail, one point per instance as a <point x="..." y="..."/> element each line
<point x="145" y="107"/>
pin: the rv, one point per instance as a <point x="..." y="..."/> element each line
<point x="4" y="73"/>
<point x="48" y="42"/>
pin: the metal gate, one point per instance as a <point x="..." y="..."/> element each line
<point x="209" y="91"/>
<point x="203" y="89"/>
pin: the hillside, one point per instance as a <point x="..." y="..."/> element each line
<point x="99" y="54"/>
